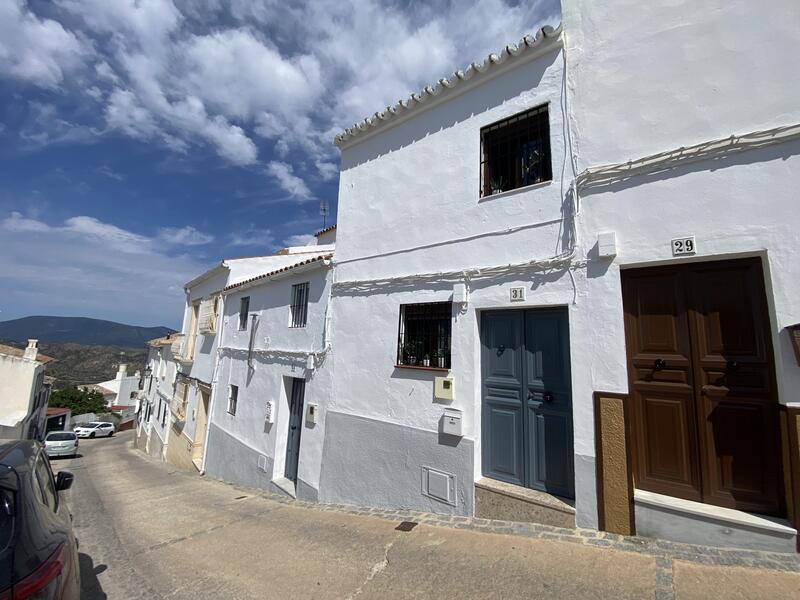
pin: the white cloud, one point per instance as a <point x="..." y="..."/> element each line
<point x="252" y="237"/>
<point x="37" y="50"/>
<point x="91" y="268"/>
<point x="300" y="239"/>
<point x="283" y="173"/>
<point x="185" y="236"/>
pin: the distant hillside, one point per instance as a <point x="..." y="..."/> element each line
<point x="76" y="363"/>
<point x="79" y="330"/>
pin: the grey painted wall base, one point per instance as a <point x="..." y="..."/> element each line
<point x="694" y="523"/>
<point x="306" y="492"/>
<point x="230" y="460"/>
<point x="373" y="463"/>
<point x="585" y="491"/>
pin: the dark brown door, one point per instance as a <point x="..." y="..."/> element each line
<point x="701" y="378"/>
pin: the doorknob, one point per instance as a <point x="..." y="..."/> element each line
<point x="732" y="365"/>
<point x="659" y="364"/>
<point x="548" y="397"/>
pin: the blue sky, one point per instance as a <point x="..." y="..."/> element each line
<point x="143" y="140"/>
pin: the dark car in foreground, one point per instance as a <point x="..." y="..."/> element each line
<point x="38" y="550"/>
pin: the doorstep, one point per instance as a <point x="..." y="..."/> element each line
<point x="682" y="520"/>
<point x="285" y="486"/>
<point x="505" y="501"/>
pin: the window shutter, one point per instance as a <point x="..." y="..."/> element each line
<point x="208" y="316"/>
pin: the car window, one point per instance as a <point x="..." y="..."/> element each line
<point x="60" y="436"/>
<point x="48" y="486"/>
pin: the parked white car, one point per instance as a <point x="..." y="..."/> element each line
<point x="95" y="429"/>
<point x="61" y="443"/>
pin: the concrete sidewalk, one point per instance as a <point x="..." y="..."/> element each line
<point x="149" y="531"/>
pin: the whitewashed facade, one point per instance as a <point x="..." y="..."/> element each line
<point x="23" y="391"/>
<point x="714" y="118"/>
<point x="274" y="342"/>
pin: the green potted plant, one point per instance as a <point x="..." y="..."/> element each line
<point x="496" y="185"/>
<point x="410" y="352"/>
<point x="426" y="360"/>
<point x="440" y="358"/>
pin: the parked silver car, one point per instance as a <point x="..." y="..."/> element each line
<point x="61" y="443"/>
<point x="95" y="429"/>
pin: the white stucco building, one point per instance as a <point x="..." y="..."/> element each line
<point x="629" y="174"/>
<point x="274" y="377"/>
<point x="23" y="392"/>
<point x="123" y="390"/>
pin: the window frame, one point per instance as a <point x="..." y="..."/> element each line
<point x="298" y="309"/>
<point x="244" y="312"/>
<point x="233" y="399"/>
<point x="433" y="335"/>
<point x="514" y="159"/>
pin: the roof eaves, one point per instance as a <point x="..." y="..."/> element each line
<point x="326" y="230"/>
<point x="271" y="274"/>
<point x="474" y="71"/>
<point x="203" y="276"/>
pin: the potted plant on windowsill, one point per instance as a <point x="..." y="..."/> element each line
<point x="410" y="353"/>
<point x="496" y="185"/>
<point x="426" y="361"/>
<point x="440" y="358"/>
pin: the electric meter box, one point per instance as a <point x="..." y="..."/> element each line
<point x="444" y="388"/>
<point x="451" y="422"/>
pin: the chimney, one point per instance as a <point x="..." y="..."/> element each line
<point x="32" y="351"/>
<point x="123" y="371"/>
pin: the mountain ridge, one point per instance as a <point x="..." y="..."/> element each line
<point x="79" y="330"/>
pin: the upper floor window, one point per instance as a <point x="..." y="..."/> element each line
<point x="244" y="312"/>
<point x="233" y="398"/>
<point x="515" y="152"/>
<point x="299" y="313"/>
<point x="423" y="338"/>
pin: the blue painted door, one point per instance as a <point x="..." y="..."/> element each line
<point x="295" y="423"/>
<point x="527" y="400"/>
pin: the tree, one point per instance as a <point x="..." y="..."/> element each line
<point x="79" y="401"/>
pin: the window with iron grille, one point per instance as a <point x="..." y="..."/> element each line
<point x="515" y="152"/>
<point x="244" y="310"/>
<point x="423" y="338"/>
<point x="233" y="398"/>
<point x="299" y="313"/>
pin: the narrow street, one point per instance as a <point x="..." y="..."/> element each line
<point x="147" y="530"/>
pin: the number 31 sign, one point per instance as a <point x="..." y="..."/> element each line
<point x="682" y="246"/>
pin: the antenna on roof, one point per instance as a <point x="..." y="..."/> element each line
<point x="324" y="210"/>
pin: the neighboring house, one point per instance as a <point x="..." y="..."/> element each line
<point x="514" y="248"/>
<point x="23" y="392"/>
<point x="274" y="377"/>
<point x="58" y="419"/>
<point x="122" y="390"/>
<point x="158" y="388"/>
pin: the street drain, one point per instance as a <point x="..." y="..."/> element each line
<point x="406" y="526"/>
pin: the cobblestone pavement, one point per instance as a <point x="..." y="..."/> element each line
<point x="149" y="530"/>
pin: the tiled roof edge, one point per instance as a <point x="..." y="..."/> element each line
<point x="277" y="271"/>
<point x="405" y="105"/>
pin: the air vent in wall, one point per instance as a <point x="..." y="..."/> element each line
<point x="262" y="463"/>
<point x="439" y="485"/>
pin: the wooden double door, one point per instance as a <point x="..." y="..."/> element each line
<point x="704" y="405"/>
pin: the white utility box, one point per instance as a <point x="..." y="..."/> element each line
<point x="606" y="244"/>
<point x="311" y="413"/>
<point x="451" y="422"/>
<point x="444" y="388"/>
<point x="269" y="412"/>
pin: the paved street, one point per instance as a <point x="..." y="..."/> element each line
<point x="149" y="531"/>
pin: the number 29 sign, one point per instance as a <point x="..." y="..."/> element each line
<point x="683" y="246"/>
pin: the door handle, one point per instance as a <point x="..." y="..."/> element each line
<point x="659" y="364"/>
<point x="732" y="366"/>
<point x="548" y="397"/>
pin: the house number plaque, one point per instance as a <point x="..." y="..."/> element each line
<point x="683" y="246"/>
<point x="517" y="294"/>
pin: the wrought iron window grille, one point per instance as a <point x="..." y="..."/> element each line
<point x="299" y="308"/>
<point x="515" y="152"/>
<point x="244" y="310"/>
<point x="424" y="335"/>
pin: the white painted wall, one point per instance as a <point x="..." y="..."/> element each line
<point x="280" y="353"/>
<point x="18" y="390"/>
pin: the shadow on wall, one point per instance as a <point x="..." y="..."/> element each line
<point x="90" y="585"/>
<point x="460" y="108"/>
